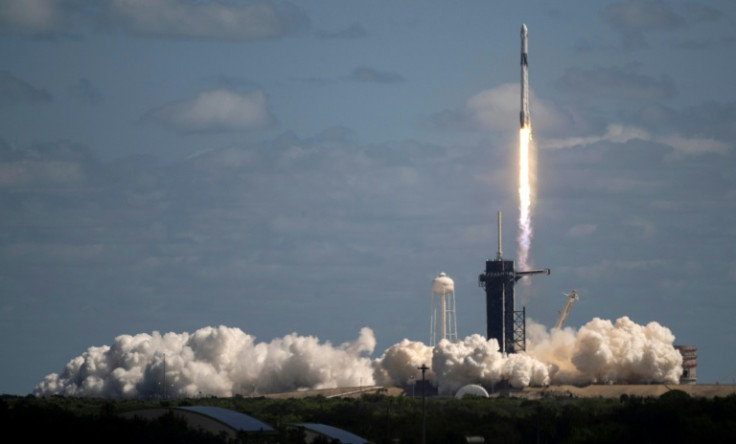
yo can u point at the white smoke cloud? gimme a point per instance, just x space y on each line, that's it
608 352
218 361
401 361
216 110
682 146
477 360
226 361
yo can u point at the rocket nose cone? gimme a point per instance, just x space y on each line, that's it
523 28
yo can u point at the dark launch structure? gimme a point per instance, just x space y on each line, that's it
503 322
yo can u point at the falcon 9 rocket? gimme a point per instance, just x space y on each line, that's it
524 114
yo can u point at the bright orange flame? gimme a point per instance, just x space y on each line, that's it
525 197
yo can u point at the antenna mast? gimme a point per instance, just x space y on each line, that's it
499 255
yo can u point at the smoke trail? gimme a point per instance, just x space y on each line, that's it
225 361
525 197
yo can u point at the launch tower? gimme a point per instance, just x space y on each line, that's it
503 322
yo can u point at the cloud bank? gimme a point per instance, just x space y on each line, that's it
210 19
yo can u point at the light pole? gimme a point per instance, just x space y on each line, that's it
424 368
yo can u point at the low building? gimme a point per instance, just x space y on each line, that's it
216 420
314 431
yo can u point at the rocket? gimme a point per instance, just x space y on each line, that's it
524 116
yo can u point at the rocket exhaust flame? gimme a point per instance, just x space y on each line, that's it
525 197
525 137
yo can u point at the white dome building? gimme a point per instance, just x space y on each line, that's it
471 389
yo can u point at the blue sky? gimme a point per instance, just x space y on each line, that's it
311 166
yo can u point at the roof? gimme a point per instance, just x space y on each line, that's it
471 389
343 436
231 418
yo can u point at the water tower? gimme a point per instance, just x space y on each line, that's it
444 320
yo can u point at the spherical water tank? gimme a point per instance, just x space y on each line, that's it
443 284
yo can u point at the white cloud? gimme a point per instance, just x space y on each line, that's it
492 108
216 110
681 145
497 109
642 15
25 172
582 230
646 228
31 15
212 19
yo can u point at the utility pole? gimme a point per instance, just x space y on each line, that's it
424 368
165 394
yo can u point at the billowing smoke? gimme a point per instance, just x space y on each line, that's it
399 363
226 361
477 360
217 361
608 352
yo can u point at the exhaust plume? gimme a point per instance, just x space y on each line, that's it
525 197
222 361
218 361
609 352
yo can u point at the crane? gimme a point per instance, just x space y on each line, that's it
571 297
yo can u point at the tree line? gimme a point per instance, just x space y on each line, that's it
672 417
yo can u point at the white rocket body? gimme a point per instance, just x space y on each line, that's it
524 116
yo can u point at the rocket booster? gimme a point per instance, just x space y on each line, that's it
524 116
